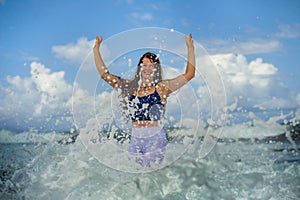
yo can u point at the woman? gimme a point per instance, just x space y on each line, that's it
145 98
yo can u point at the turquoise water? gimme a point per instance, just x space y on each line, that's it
38 166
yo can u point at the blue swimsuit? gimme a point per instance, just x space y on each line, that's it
148 107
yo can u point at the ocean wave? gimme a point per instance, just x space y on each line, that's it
239 170
261 131
7 137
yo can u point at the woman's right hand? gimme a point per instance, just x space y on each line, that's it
98 42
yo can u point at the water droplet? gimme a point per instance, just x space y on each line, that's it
129 62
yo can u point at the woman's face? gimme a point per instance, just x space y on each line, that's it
147 70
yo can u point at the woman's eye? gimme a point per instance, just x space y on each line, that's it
147 65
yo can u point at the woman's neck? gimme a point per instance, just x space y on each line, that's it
147 82
145 89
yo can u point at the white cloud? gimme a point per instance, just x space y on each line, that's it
258 46
288 31
42 97
81 53
51 86
74 52
252 83
46 101
254 46
257 67
275 103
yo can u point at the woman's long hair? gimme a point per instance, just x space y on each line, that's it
128 88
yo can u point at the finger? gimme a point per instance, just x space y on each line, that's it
191 36
187 38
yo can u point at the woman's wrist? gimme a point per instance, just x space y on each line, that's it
96 48
191 50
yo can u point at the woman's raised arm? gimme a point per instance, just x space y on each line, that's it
174 84
111 79
191 64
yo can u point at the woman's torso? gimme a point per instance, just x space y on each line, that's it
147 107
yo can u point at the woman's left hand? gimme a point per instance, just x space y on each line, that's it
189 42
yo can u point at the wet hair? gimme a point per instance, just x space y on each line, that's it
128 88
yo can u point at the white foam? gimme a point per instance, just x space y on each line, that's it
258 131
29 137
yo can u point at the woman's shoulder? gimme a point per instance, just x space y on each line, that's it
163 89
164 84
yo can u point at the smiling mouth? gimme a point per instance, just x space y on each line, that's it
148 73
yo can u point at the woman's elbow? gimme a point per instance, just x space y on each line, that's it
189 76
192 76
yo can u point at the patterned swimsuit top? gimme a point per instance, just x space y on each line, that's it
148 107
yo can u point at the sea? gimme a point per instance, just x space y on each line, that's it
58 166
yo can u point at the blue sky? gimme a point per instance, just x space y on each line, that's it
248 39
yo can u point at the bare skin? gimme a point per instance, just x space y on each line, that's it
164 88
